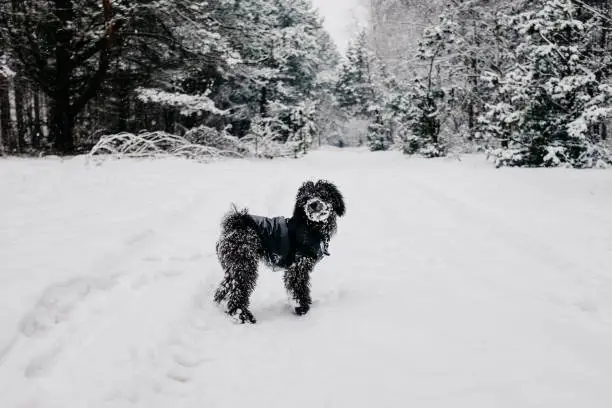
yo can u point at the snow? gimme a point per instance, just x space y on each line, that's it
450 284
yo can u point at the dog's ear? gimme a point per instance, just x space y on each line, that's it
334 194
306 190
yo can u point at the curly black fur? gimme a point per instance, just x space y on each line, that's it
246 240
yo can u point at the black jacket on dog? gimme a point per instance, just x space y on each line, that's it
282 239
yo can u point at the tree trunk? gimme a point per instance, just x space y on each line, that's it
29 116
61 121
603 129
474 74
263 102
125 111
20 108
62 126
471 119
6 130
169 120
37 131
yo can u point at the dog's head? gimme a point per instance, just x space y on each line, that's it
319 201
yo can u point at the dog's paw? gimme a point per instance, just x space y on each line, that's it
302 310
243 316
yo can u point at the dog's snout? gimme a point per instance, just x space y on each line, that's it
317 210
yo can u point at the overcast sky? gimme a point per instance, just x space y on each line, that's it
341 18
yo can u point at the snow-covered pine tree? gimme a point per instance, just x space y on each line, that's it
427 96
305 53
329 118
220 64
283 49
303 127
553 99
71 48
355 89
392 120
472 50
363 91
184 90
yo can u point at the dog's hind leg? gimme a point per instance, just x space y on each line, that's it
297 283
238 253
222 290
239 288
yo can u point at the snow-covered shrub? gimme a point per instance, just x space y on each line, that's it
555 156
415 145
411 145
594 156
585 156
510 157
302 120
420 130
264 139
154 145
431 150
378 137
206 136
268 147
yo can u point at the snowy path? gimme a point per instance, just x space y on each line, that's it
451 284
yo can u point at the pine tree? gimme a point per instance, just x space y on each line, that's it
392 112
301 53
69 48
172 65
187 87
355 89
427 96
328 116
472 50
303 126
57 49
366 90
552 101
283 49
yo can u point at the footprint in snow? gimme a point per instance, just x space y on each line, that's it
41 363
57 302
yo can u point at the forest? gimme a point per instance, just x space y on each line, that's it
527 82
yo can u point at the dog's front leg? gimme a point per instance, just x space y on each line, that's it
297 282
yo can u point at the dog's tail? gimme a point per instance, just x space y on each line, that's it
237 219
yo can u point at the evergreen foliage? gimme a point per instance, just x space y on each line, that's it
170 65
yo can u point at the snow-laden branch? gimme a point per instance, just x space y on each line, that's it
5 71
188 104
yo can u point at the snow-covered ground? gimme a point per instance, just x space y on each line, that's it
451 284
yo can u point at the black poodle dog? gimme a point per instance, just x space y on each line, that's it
294 244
